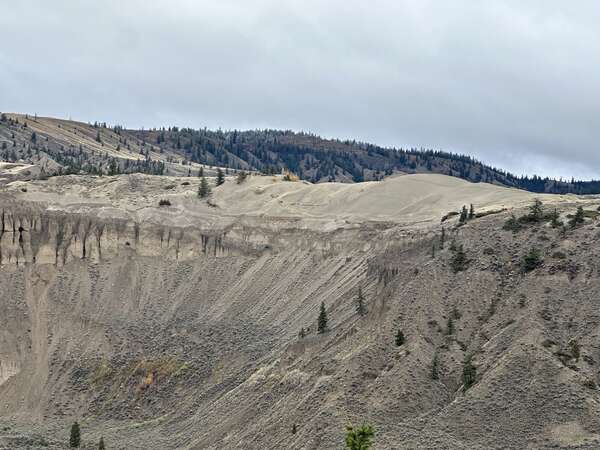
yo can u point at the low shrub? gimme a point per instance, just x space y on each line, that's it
532 260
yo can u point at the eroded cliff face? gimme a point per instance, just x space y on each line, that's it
30 234
124 315
178 326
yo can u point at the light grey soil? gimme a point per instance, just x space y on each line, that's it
176 327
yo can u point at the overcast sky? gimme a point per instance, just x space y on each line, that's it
514 83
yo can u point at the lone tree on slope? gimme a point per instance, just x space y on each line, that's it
360 303
241 177
399 338
359 439
435 367
469 374
101 444
220 177
464 215
536 211
204 189
322 321
75 439
578 218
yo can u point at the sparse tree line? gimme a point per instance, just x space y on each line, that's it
355 439
309 156
537 214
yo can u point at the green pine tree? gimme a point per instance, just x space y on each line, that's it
101 444
450 326
471 212
555 221
536 211
578 218
512 224
469 374
322 321
464 215
204 189
459 260
399 338
532 260
75 439
435 367
360 303
241 177
359 439
294 429
220 177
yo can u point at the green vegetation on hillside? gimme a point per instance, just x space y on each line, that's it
93 148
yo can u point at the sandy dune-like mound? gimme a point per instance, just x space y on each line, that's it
420 199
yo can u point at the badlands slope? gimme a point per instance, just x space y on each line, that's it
176 327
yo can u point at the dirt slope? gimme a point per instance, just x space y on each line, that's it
177 326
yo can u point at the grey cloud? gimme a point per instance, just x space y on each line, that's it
512 82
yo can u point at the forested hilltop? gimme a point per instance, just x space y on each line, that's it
63 146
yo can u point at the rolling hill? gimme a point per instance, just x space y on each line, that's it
64 147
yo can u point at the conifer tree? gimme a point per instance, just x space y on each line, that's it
435 369
512 224
201 172
360 303
101 444
450 326
241 177
204 189
359 439
322 321
536 211
399 338
471 212
469 374
459 260
554 219
294 430
532 260
302 333
443 238
464 215
578 218
75 438
220 177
